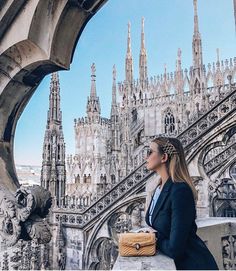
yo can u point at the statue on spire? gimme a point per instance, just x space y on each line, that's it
179 60
142 36
93 69
93 104
129 59
197 41
129 39
218 54
142 57
114 72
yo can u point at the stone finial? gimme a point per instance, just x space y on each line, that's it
129 39
196 27
114 72
142 36
218 55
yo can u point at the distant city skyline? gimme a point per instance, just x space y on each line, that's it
168 26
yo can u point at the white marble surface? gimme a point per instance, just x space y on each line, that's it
156 262
210 221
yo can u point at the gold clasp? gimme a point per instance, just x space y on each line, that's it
137 246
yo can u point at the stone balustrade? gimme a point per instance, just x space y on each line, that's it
219 235
156 262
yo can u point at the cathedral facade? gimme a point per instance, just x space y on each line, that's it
107 149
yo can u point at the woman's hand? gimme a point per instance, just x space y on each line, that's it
147 229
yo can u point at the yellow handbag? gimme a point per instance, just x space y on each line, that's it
137 244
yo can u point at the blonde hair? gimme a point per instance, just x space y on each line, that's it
176 164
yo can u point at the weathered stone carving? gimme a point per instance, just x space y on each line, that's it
23 214
222 197
25 59
228 252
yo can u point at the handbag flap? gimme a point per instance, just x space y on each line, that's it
142 238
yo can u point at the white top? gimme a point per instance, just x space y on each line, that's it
153 202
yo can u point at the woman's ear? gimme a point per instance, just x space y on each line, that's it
164 158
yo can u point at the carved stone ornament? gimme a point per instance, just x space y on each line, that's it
22 214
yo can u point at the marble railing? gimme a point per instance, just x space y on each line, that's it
126 186
216 115
218 233
156 262
220 159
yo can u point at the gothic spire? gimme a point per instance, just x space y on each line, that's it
93 81
196 26
93 104
53 174
179 61
129 53
197 42
179 77
143 37
129 59
165 83
54 112
142 56
114 104
114 115
218 58
218 54
114 86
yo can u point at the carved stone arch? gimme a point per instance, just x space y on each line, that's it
47 13
135 210
226 166
99 246
206 140
45 44
104 219
103 250
96 245
27 58
213 147
226 137
197 86
229 134
114 219
232 171
94 266
204 153
111 222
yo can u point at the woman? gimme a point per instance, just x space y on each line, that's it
172 213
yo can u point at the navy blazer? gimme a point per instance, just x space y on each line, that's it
173 218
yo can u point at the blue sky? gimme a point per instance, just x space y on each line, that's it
168 26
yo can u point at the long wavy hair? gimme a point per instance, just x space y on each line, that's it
176 164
